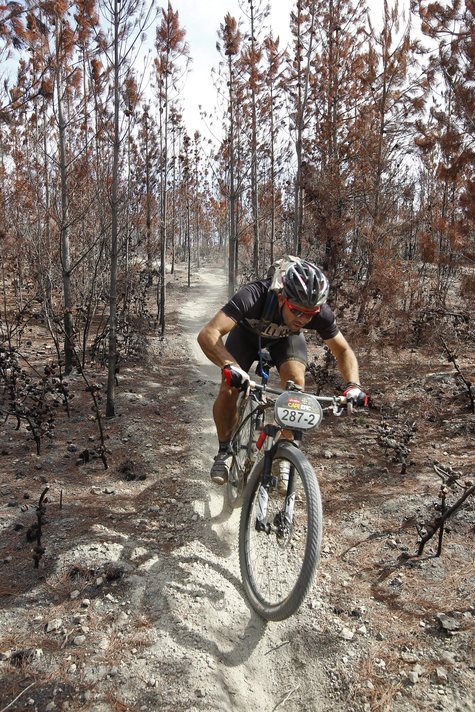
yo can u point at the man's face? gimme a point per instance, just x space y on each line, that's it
293 317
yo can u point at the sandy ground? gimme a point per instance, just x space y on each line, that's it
138 603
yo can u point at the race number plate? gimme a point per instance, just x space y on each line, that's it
298 411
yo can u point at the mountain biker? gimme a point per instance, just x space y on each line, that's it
271 313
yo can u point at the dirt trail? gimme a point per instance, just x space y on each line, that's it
326 656
138 602
138 605
236 652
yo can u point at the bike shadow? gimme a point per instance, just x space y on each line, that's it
194 592
225 633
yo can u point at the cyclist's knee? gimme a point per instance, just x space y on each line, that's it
292 371
228 393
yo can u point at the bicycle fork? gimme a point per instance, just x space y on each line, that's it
285 518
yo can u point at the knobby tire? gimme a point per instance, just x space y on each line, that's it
277 573
243 447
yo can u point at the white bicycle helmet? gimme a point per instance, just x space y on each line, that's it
305 285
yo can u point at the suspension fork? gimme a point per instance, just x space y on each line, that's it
268 480
288 513
266 438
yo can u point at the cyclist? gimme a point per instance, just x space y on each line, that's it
271 313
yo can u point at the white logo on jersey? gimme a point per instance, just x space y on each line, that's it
268 329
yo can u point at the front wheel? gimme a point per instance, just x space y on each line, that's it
243 447
278 557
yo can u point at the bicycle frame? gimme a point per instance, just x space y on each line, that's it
280 528
269 437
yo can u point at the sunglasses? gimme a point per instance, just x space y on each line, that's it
301 311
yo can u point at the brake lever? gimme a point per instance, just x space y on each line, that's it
339 406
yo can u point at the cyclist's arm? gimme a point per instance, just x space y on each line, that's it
210 339
345 358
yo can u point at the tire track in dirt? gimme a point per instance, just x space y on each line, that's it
239 673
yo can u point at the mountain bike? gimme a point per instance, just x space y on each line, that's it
280 529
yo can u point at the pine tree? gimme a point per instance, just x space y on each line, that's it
446 137
231 39
171 49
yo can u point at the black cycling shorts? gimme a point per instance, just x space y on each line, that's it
244 346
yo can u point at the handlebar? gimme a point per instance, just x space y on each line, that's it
265 363
335 403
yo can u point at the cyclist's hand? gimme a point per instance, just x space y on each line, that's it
355 395
235 376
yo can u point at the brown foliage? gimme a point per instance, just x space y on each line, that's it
427 246
169 33
131 93
467 287
231 36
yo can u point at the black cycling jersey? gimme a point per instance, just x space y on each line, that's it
256 308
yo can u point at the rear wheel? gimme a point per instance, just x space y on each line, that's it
278 563
243 447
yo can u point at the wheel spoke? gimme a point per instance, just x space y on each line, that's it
279 558
241 457
276 559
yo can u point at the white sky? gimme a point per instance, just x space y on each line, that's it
201 19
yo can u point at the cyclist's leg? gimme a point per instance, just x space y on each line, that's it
243 346
292 370
225 411
290 357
